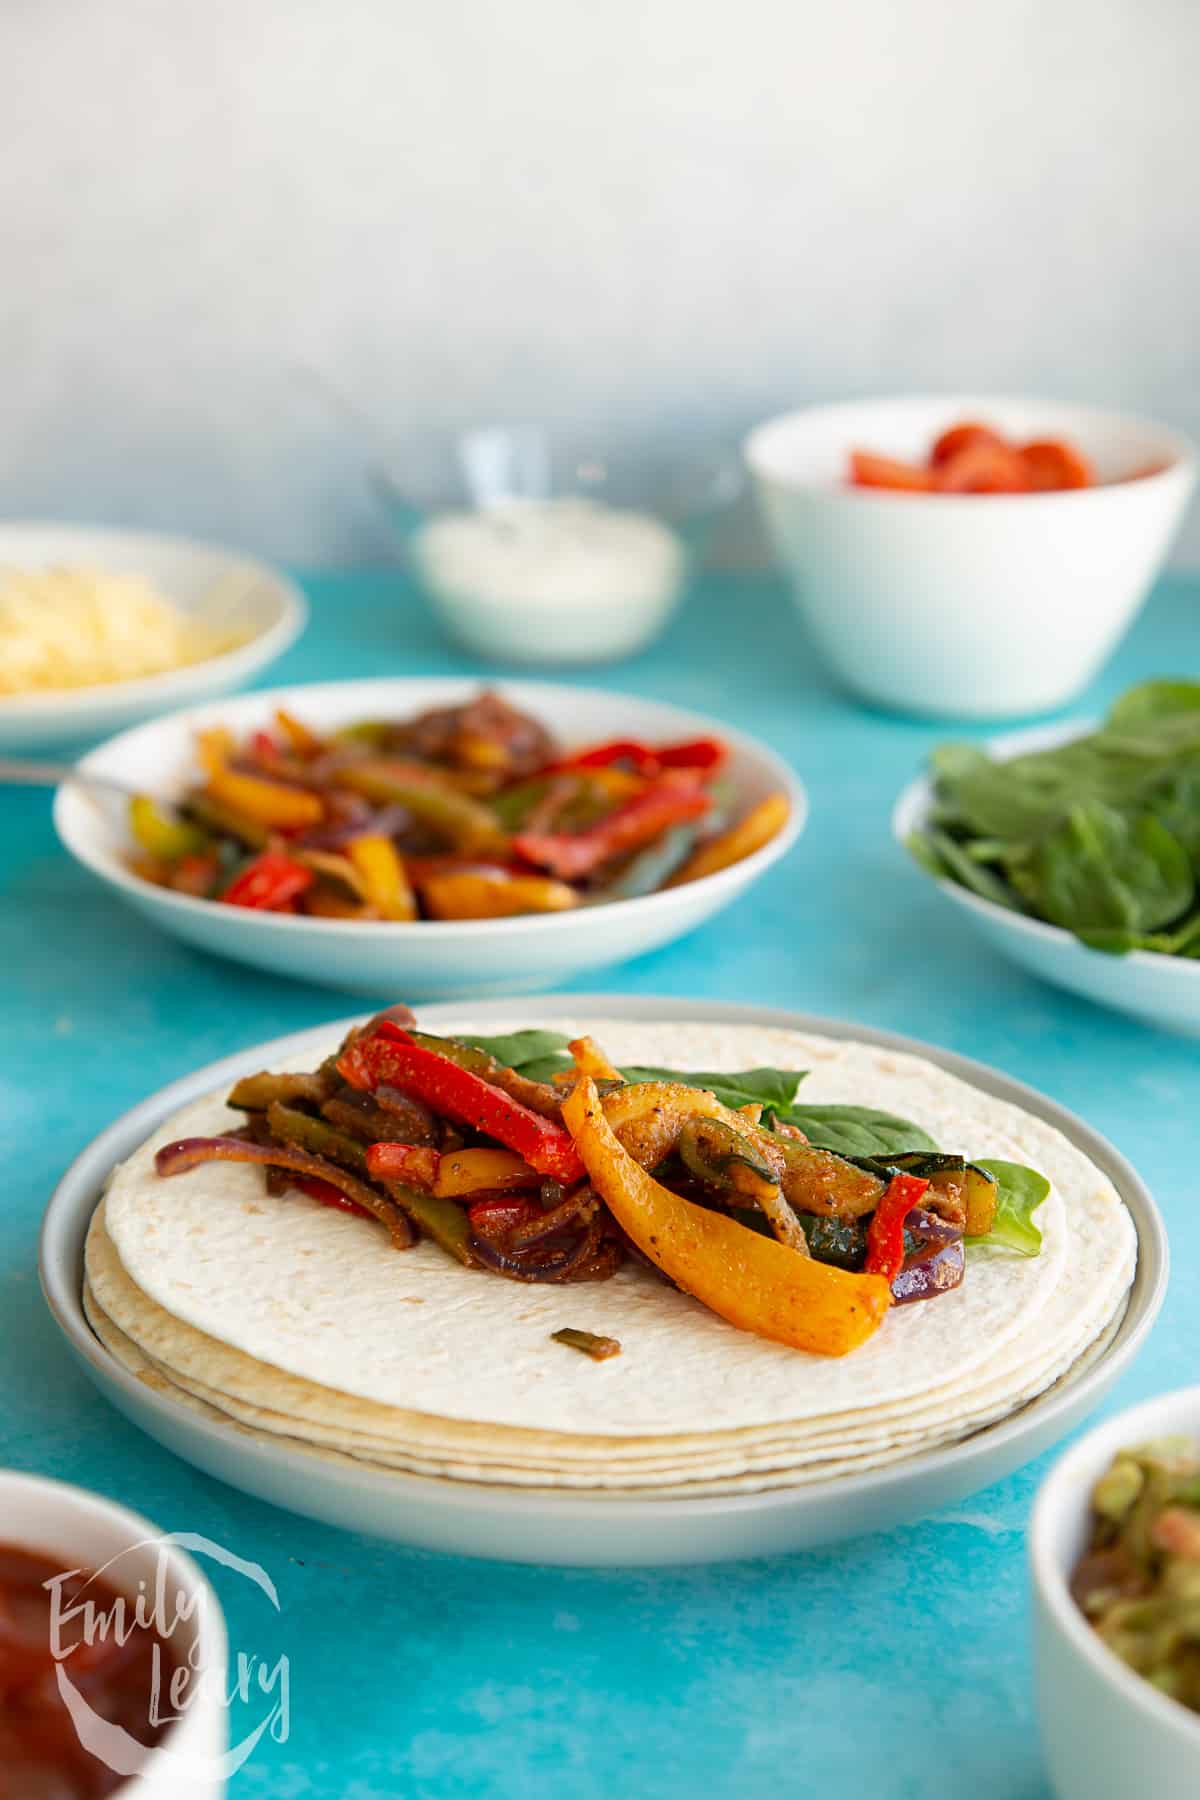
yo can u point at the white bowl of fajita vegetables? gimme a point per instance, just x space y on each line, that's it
427 837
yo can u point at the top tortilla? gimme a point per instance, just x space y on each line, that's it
322 1297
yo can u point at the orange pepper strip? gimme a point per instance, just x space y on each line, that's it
590 1059
760 825
470 1171
267 802
754 1282
303 741
474 894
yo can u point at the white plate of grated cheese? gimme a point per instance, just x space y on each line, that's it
99 629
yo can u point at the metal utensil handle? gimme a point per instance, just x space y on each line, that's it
17 772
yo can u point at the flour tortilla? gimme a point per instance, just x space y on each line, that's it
342 1421
302 1318
127 1354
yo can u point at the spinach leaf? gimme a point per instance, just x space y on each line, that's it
525 1051
856 1130
950 858
773 1088
1103 869
1155 700
1020 1191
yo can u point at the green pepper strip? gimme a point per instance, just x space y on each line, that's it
442 1220
513 805
254 1093
653 867
227 822
465 823
598 1348
316 1136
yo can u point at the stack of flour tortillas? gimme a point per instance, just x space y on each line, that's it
294 1321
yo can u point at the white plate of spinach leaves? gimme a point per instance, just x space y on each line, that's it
1076 848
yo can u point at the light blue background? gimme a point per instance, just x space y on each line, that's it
896 1667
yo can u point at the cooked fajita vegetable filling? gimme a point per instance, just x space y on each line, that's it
1138 1581
538 1159
465 812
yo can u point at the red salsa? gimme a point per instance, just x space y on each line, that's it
41 1757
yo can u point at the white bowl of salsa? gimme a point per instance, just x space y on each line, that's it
78 1712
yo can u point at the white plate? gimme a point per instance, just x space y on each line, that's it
548 1526
429 959
185 572
1163 989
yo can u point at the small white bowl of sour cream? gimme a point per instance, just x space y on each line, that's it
533 548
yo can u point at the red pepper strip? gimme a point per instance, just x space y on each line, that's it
706 754
414 1163
603 756
693 753
326 1193
497 1217
570 856
391 1057
269 884
263 747
885 1233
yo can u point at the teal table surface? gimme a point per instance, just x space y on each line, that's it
895 1667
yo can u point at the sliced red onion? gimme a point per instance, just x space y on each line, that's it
933 1229
387 821
555 1218
188 1153
546 1268
926 1280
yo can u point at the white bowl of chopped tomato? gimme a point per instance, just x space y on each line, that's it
113 1652
421 837
969 556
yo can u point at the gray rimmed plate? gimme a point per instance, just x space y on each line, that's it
552 1526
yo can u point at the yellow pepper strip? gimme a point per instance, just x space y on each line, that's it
214 746
269 802
385 882
476 894
469 1171
590 1059
159 834
754 1282
758 827
303 741
618 784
